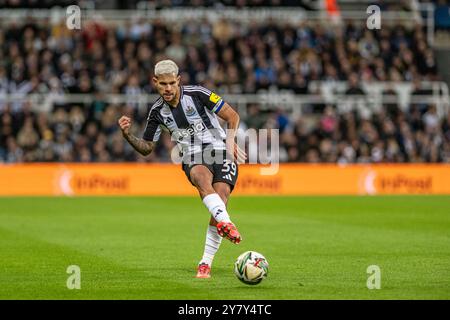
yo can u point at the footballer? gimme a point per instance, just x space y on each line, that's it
209 155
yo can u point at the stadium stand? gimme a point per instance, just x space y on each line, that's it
233 59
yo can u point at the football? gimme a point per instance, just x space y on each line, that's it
251 267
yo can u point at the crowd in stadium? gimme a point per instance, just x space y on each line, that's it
157 4
73 135
225 57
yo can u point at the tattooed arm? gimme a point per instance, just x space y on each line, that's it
142 146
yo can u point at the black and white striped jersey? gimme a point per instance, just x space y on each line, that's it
193 124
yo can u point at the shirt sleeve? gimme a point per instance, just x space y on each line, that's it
211 100
152 130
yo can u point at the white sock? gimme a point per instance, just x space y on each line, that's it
212 244
216 207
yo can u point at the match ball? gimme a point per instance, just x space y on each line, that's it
251 267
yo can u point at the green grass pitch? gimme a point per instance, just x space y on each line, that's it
148 247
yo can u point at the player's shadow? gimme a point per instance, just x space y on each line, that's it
246 287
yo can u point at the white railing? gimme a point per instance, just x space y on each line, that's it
376 96
295 104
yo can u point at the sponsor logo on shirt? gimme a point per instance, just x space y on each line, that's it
168 121
191 130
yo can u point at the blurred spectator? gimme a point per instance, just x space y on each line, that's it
353 86
442 15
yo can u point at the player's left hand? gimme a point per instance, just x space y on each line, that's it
239 155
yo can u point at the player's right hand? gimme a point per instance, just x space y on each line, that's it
125 124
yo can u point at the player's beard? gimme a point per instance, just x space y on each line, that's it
170 98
